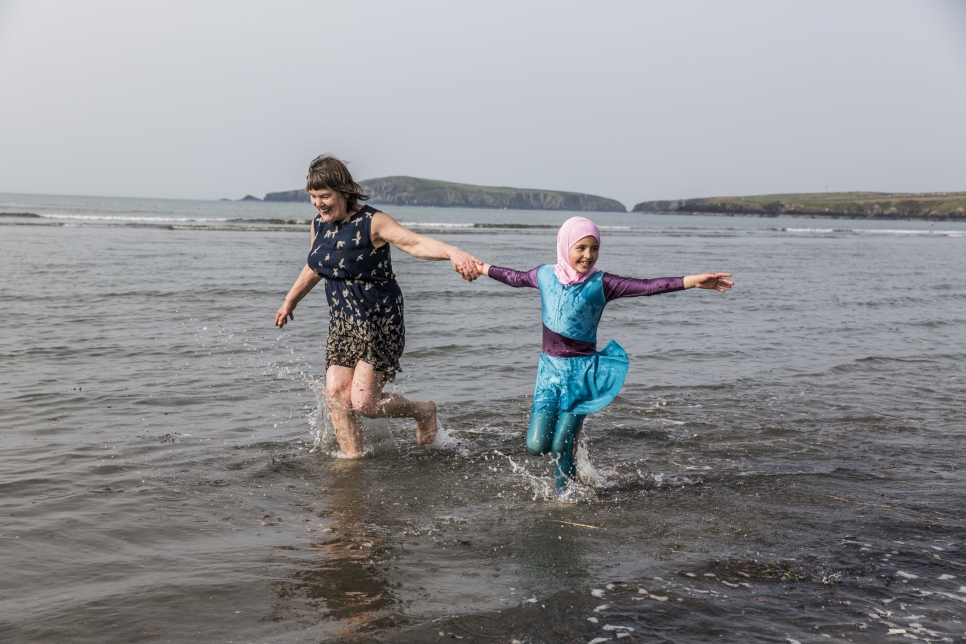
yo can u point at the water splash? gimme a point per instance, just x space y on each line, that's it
541 486
588 473
662 480
445 441
320 420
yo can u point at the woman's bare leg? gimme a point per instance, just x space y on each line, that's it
369 400
338 393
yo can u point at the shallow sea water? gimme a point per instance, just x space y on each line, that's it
784 463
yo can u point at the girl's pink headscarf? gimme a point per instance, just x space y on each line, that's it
572 231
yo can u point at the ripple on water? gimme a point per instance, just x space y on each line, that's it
105 489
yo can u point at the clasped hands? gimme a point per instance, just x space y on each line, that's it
466 265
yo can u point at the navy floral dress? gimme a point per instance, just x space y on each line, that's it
365 302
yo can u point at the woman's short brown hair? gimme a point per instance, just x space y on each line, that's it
326 172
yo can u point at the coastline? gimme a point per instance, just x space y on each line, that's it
875 206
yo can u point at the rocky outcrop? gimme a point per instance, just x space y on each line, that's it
249 198
864 205
289 195
412 191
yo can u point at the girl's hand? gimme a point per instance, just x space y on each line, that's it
711 281
483 268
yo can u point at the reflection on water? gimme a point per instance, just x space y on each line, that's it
340 581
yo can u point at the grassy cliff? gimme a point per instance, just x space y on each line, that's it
933 206
411 191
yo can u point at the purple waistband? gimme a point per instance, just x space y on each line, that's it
560 346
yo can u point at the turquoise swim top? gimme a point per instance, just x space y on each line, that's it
574 310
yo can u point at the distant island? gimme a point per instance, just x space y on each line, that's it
411 191
931 206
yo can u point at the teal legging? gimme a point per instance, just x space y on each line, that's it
555 434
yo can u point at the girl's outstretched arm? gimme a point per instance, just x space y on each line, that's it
712 281
616 287
509 276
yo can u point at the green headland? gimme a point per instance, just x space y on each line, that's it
411 191
930 206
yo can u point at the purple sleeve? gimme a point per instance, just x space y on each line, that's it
514 278
616 287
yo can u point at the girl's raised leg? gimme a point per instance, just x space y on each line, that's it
543 424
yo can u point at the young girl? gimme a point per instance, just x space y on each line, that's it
573 378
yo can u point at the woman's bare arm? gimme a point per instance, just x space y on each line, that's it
306 280
385 230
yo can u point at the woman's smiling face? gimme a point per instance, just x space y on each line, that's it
330 204
583 254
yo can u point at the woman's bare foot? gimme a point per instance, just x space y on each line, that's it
426 427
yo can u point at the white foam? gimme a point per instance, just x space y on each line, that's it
446 441
133 218
895 232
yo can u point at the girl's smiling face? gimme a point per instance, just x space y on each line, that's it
583 255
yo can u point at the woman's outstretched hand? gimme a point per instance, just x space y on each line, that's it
285 313
465 264
711 281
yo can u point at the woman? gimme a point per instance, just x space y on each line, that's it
350 249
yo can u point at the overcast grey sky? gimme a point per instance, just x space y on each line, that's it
630 100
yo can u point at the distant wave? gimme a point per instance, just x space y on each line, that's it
238 228
32 223
421 224
448 224
874 231
940 233
129 218
155 221
276 222
271 224
228 223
